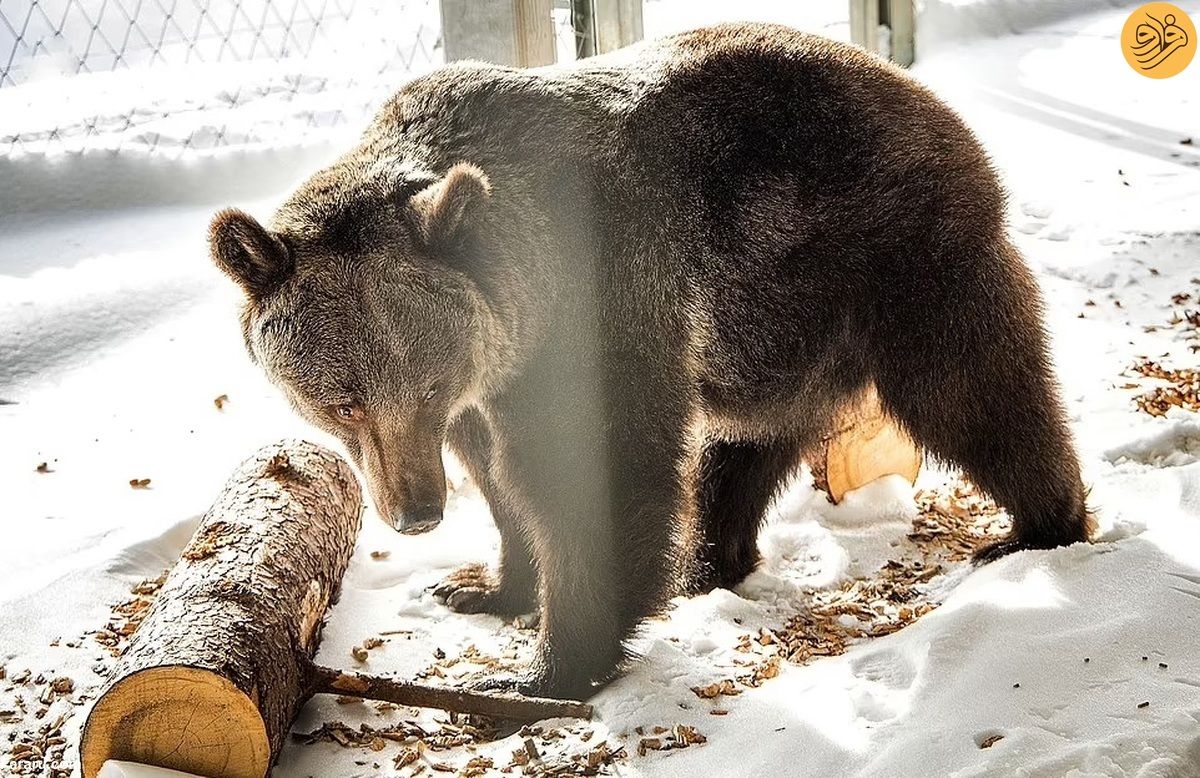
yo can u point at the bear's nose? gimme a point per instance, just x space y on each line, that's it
416 520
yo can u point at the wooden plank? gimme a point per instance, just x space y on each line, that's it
864 24
902 21
617 23
535 32
504 32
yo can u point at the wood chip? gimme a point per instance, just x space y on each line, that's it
1181 389
724 687
669 738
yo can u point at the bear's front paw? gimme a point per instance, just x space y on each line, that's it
999 549
474 589
545 677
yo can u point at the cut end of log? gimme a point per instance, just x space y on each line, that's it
179 717
867 445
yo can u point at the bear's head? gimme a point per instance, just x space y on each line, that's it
355 308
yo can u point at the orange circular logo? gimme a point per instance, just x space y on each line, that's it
1159 40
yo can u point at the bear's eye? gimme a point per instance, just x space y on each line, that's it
433 390
347 412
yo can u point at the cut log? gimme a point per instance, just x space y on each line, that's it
213 676
866 444
222 661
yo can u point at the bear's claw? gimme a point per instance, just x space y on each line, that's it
475 589
1011 544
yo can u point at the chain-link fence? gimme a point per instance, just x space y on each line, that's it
171 77
177 78
178 75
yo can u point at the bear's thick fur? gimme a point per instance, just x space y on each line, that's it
629 292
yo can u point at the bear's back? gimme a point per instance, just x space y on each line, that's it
727 100
767 136
743 139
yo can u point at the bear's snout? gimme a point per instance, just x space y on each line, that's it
416 521
404 473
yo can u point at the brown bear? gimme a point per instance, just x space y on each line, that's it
629 292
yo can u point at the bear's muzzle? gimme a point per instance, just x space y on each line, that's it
416 521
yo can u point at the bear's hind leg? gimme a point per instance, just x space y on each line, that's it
972 383
737 483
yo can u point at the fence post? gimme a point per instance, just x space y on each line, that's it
618 23
605 25
864 24
506 32
897 15
901 19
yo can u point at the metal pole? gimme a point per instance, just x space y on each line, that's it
605 25
583 21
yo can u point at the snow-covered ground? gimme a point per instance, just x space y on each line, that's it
116 336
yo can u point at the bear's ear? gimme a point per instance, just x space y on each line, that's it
440 210
248 253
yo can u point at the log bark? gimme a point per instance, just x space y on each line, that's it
213 676
866 444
